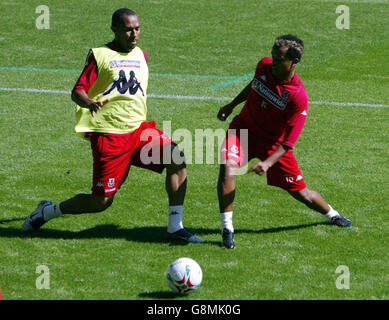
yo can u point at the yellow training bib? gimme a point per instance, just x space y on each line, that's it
122 78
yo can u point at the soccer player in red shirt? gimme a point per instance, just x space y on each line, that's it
111 113
274 113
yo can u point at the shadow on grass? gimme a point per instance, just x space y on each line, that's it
285 228
12 220
152 234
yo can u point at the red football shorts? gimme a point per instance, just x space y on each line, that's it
241 146
114 154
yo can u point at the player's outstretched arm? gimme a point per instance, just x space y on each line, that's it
227 109
81 98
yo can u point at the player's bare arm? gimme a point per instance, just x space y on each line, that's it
81 98
262 167
227 109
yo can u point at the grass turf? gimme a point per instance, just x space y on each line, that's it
284 250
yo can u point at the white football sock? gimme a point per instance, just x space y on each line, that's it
175 218
51 211
332 213
226 219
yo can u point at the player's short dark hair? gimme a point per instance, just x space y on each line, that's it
295 45
117 16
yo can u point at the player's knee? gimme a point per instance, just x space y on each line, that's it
231 167
102 203
177 157
305 195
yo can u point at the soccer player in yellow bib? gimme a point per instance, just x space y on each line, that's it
111 112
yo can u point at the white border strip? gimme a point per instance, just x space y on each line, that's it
178 97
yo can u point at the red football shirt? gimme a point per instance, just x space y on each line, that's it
90 72
275 111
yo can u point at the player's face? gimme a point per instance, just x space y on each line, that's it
281 65
127 34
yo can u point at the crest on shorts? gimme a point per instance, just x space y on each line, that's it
235 149
111 182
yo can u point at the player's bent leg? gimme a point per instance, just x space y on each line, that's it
176 176
313 200
226 196
81 203
175 183
86 203
226 185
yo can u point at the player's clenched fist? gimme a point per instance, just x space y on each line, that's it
96 106
259 168
225 111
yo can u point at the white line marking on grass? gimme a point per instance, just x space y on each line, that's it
154 74
349 104
178 97
35 90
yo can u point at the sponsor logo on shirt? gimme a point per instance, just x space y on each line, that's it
124 64
267 93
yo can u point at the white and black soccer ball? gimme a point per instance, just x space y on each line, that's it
184 275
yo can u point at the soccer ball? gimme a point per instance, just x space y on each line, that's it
184 275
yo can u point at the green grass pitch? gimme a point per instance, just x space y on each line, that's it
203 49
